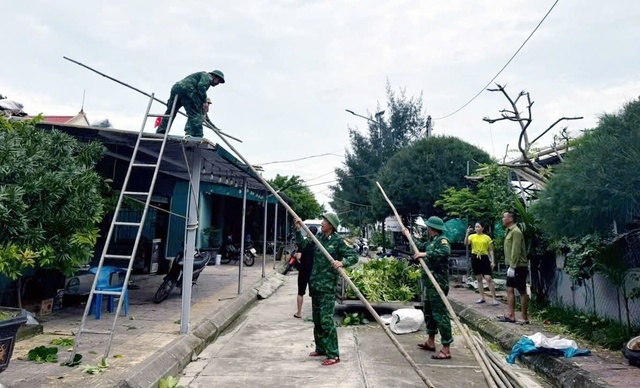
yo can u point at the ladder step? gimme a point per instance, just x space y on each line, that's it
124 257
136 193
107 332
143 165
152 138
111 293
121 223
157 115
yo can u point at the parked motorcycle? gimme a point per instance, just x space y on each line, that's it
231 252
174 277
364 247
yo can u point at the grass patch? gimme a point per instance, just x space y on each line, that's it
569 321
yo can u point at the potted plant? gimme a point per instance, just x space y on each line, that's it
10 321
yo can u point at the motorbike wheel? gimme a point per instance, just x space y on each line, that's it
163 292
249 259
225 259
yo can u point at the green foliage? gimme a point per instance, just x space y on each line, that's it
169 382
62 341
354 319
386 280
401 125
486 202
598 181
43 354
50 199
581 255
416 176
95 369
303 201
568 321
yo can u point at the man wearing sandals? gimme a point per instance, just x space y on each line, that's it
435 251
515 257
323 282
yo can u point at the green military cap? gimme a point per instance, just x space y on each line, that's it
436 223
218 74
333 219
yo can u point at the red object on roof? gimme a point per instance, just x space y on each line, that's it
57 119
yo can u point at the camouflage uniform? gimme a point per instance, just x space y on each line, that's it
192 94
436 316
322 288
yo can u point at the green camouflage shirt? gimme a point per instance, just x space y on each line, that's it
324 278
438 251
196 85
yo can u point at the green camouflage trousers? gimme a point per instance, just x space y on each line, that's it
436 316
323 306
193 107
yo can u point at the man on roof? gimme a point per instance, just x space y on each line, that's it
192 95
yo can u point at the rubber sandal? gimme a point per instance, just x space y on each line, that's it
427 347
524 322
315 354
297 316
480 301
441 356
330 361
495 304
504 318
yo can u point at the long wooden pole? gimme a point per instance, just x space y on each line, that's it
218 132
328 257
452 313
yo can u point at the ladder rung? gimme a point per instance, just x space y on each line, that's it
143 165
152 138
157 115
108 256
121 223
136 193
107 332
111 293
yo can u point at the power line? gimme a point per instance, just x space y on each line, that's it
304 158
503 67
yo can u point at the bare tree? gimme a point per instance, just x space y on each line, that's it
528 169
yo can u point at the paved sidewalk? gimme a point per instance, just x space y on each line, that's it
268 347
604 368
143 336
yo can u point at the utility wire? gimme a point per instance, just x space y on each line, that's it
305 158
503 67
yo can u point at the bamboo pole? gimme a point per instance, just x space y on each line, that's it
497 368
340 270
326 254
452 313
218 132
502 383
515 380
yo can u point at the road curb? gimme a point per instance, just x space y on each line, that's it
560 371
175 356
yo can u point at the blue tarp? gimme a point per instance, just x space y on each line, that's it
526 346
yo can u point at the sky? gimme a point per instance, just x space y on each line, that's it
293 67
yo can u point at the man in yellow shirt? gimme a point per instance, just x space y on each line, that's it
515 257
482 260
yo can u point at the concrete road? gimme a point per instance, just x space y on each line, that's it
268 347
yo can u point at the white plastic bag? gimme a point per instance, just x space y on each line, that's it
406 321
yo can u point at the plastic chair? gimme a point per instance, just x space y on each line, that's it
104 284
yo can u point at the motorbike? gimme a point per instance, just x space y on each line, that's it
174 277
364 247
231 252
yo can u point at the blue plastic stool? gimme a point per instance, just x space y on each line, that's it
104 284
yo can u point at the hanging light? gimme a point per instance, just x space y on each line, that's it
219 179
211 176
204 170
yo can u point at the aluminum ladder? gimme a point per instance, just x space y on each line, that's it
138 225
